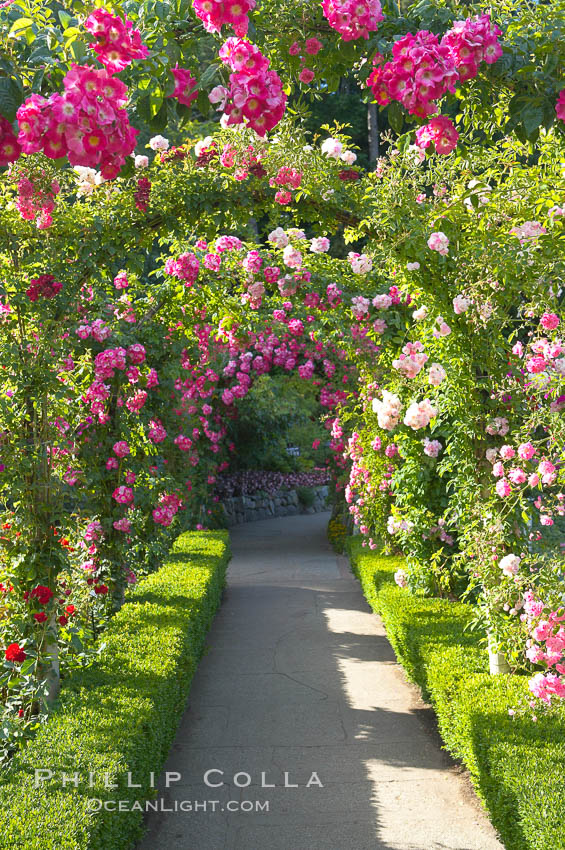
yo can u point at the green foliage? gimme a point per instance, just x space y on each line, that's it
346 108
516 765
120 715
306 496
279 411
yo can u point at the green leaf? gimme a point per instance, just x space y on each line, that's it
37 81
41 56
20 25
203 103
531 117
208 76
65 18
78 49
10 98
155 100
396 117
158 122
520 132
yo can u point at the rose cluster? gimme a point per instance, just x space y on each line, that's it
116 43
412 360
420 73
36 199
538 474
167 509
423 69
546 645
360 263
471 42
44 286
215 13
288 179
388 410
88 122
419 414
185 267
441 132
439 242
256 94
141 195
353 19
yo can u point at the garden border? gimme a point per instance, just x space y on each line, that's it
121 714
516 764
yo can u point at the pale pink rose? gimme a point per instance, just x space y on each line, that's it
439 242
436 374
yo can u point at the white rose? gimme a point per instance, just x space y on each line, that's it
159 143
332 147
510 564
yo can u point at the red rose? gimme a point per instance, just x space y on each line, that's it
15 653
349 174
101 588
41 617
21 712
70 609
62 620
42 594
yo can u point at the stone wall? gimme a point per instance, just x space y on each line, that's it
240 509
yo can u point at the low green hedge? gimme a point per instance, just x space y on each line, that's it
517 765
121 714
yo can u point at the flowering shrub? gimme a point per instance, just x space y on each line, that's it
482 490
172 278
249 482
471 42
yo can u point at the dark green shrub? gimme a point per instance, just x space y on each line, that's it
306 496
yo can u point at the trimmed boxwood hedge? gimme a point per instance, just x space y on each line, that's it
121 714
517 765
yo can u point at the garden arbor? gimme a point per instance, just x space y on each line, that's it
147 285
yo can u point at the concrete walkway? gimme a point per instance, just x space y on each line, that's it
300 679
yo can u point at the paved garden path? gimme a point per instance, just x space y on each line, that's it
300 678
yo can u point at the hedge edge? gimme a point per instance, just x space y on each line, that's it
121 714
516 765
